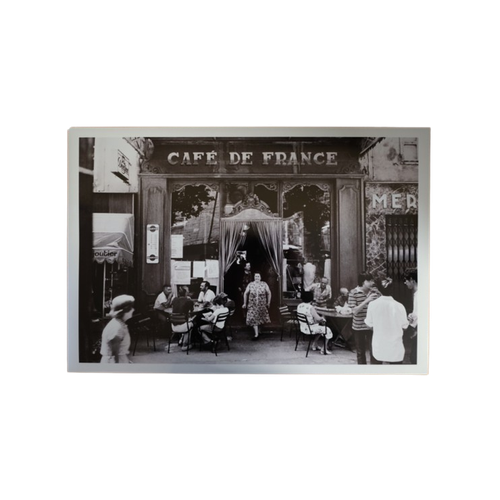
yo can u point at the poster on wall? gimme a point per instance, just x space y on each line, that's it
181 272
198 269
176 245
291 250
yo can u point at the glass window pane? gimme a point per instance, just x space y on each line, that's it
195 234
306 237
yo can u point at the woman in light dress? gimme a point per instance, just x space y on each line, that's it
256 300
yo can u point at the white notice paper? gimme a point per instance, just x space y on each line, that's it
199 269
212 268
177 246
181 272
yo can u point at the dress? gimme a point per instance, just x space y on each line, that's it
305 308
257 313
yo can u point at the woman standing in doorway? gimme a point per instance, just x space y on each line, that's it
256 300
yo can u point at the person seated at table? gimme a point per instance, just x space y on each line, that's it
229 303
183 305
316 322
322 292
164 299
162 303
206 296
342 299
211 319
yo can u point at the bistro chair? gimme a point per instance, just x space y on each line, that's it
229 322
302 319
141 326
219 333
177 319
288 320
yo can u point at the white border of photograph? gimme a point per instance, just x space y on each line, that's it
184 131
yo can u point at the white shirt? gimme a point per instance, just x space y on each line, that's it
309 275
161 299
414 321
115 329
207 296
216 314
388 318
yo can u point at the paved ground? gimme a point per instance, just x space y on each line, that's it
267 350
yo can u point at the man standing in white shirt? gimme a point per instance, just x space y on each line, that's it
388 319
309 275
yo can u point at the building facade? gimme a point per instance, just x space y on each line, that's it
298 209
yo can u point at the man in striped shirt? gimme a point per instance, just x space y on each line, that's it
359 298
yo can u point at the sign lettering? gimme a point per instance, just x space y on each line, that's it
246 158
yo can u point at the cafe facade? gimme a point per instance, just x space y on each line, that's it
296 208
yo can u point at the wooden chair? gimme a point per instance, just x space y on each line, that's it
177 319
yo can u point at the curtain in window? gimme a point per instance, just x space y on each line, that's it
232 236
269 232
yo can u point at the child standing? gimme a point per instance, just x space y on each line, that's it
115 342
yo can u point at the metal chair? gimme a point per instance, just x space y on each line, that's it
302 319
229 322
219 332
178 319
287 319
141 326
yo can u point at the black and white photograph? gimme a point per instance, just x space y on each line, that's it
250 250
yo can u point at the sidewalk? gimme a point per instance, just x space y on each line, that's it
267 350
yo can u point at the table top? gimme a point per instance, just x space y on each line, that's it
325 311
196 310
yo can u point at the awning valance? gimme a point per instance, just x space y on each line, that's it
113 238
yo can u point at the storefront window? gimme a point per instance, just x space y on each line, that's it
268 194
306 236
195 234
235 193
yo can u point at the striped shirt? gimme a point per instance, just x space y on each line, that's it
356 297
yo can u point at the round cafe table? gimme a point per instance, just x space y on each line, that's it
342 322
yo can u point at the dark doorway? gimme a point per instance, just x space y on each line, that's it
256 256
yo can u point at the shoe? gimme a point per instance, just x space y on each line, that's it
185 347
322 351
255 338
314 348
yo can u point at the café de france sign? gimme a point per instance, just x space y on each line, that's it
246 158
